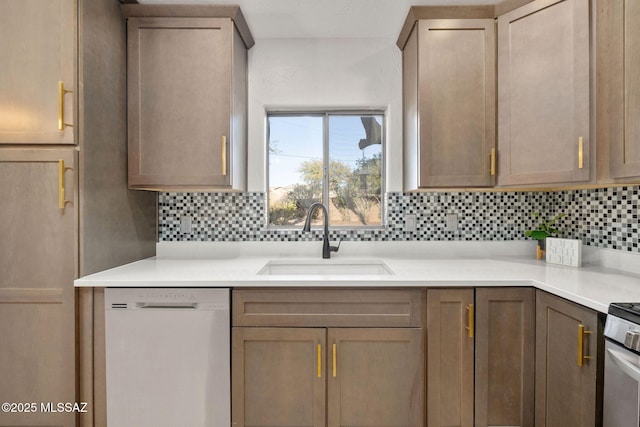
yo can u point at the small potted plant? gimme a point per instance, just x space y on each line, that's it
544 230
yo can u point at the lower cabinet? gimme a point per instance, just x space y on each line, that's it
480 353
279 377
328 376
450 363
505 356
37 267
493 357
569 363
376 377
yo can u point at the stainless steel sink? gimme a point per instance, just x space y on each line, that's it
323 267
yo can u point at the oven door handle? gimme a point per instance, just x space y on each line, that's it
627 367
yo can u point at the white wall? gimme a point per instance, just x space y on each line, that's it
299 74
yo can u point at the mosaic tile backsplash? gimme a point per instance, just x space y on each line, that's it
605 217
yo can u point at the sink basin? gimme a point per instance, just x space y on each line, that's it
325 268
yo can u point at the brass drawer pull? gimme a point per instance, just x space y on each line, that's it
470 325
224 155
493 162
62 202
319 361
580 152
581 356
335 369
61 93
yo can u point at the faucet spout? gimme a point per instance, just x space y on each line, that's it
326 247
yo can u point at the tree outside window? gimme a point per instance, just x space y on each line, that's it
334 158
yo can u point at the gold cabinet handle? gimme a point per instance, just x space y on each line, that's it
319 361
581 356
580 153
335 369
493 162
61 93
62 202
470 321
224 155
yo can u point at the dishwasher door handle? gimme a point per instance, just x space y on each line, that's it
625 366
168 305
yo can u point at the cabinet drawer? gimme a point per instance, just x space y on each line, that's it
329 307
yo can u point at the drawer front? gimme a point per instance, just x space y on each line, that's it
329 307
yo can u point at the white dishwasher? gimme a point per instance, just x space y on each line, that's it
168 357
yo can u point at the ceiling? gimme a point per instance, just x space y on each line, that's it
269 19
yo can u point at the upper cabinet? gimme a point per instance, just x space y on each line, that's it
543 93
449 97
187 97
37 86
618 87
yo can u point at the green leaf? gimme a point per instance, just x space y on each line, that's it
555 218
538 234
545 228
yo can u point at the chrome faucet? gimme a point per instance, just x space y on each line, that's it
326 248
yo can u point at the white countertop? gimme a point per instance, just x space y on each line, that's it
606 276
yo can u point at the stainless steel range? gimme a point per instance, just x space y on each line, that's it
622 366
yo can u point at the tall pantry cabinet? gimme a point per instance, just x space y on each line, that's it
66 209
38 265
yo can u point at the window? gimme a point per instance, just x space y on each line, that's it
333 158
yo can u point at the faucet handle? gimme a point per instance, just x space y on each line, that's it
335 248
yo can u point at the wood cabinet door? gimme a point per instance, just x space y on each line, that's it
450 357
37 50
456 102
179 101
566 393
375 377
278 377
543 93
38 264
505 357
618 85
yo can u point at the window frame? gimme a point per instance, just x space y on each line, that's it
325 114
